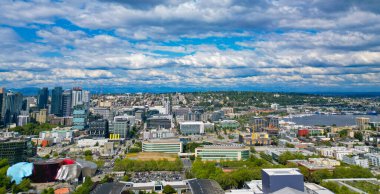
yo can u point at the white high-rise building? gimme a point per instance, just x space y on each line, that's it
77 97
86 97
80 97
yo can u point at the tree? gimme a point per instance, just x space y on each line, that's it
125 178
168 190
284 157
107 179
289 145
22 187
48 191
88 153
86 187
319 175
358 135
343 133
253 150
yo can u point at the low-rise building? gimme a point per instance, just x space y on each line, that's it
16 150
91 142
222 152
373 159
158 134
230 124
192 127
160 122
165 146
59 135
98 128
356 160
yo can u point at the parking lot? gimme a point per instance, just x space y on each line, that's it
142 177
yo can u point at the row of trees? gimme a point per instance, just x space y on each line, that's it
33 128
284 157
242 171
129 165
250 169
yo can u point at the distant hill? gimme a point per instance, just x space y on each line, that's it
32 91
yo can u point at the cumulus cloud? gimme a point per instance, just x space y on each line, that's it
276 44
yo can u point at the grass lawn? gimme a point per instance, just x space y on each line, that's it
145 156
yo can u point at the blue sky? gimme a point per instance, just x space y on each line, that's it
271 45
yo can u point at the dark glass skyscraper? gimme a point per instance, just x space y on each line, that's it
12 105
2 91
66 103
43 96
56 101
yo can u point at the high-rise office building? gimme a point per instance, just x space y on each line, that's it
167 105
43 96
12 105
80 97
56 101
66 103
121 126
1 103
86 98
80 117
99 128
77 97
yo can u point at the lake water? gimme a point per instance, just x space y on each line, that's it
339 120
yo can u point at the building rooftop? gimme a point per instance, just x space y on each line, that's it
165 140
226 146
205 186
191 123
282 171
108 188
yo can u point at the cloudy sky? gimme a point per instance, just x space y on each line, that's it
271 45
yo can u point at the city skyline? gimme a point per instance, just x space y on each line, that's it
169 45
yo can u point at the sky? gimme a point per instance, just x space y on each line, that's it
265 45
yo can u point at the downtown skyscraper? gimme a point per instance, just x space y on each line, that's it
56 101
66 103
11 107
43 96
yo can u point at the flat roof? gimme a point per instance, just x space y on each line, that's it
169 140
282 171
191 123
227 146
108 188
205 186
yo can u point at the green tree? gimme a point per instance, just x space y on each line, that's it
86 187
284 157
48 191
88 153
319 175
168 190
107 179
358 135
22 187
125 178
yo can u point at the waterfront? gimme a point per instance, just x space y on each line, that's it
338 120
